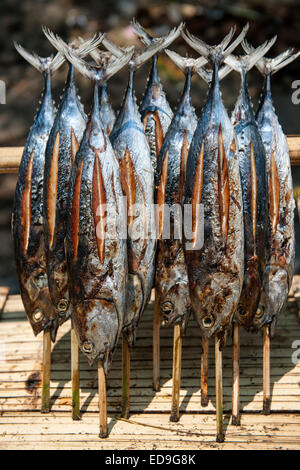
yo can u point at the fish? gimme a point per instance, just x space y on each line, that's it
96 232
155 110
252 160
62 145
278 273
27 214
213 238
137 178
172 287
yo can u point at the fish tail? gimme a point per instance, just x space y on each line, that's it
149 40
186 62
253 57
42 64
82 49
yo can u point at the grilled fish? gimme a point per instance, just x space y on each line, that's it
132 150
27 217
252 161
63 143
215 260
280 264
96 234
155 110
171 283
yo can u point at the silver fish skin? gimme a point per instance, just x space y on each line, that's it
63 143
107 114
172 287
137 180
215 270
156 113
252 160
96 234
97 264
27 219
280 264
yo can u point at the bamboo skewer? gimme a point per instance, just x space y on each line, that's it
204 372
236 375
75 372
156 346
219 391
46 373
266 371
103 431
125 378
177 349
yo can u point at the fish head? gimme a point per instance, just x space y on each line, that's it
273 297
97 322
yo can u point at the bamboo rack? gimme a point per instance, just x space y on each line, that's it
10 157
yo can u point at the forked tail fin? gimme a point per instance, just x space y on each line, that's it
245 63
42 64
149 40
137 59
267 65
186 62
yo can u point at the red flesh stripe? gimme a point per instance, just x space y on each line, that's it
223 186
197 192
74 145
99 211
159 135
183 160
52 189
274 191
128 184
26 204
76 209
161 194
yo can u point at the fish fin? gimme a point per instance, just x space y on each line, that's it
40 63
149 52
97 72
206 74
149 40
265 64
248 61
237 41
186 62
114 49
279 65
84 47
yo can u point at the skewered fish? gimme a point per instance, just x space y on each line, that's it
155 110
96 244
63 143
171 275
27 217
214 264
132 150
280 264
252 162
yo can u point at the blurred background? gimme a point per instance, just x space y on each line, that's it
210 20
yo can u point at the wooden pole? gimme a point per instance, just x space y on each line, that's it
46 373
266 371
103 432
236 375
219 391
204 372
156 346
75 372
177 349
125 377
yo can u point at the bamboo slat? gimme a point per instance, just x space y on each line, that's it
10 157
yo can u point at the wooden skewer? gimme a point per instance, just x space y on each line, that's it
177 349
46 373
266 371
103 431
204 372
125 377
156 346
75 372
219 391
236 375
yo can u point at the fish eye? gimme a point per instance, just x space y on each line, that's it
37 316
208 321
87 347
62 306
259 313
167 308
